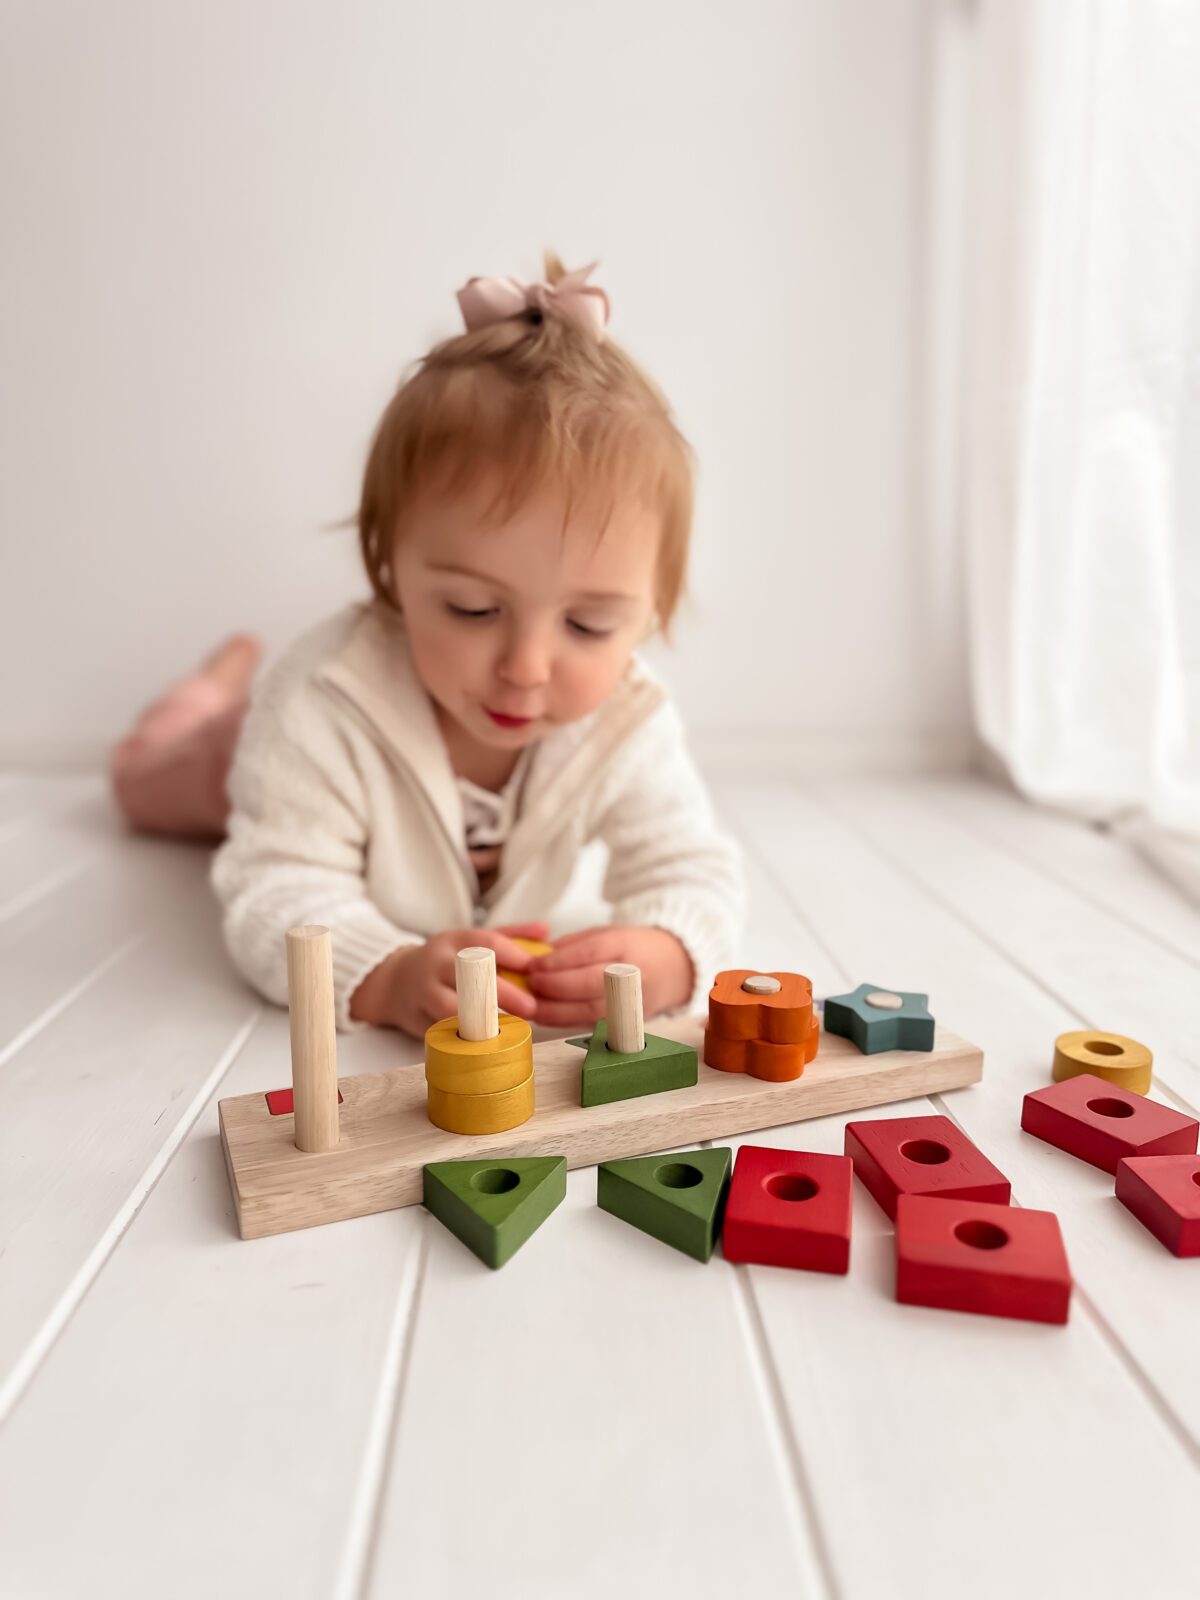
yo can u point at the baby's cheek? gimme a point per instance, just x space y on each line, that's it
589 680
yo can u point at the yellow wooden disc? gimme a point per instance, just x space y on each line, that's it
478 1066
535 948
481 1113
1110 1056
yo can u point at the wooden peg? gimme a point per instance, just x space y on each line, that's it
623 1008
475 981
314 1038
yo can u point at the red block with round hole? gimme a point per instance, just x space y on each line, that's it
960 1255
789 1208
1102 1123
1163 1192
921 1155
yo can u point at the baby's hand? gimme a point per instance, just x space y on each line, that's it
569 982
420 980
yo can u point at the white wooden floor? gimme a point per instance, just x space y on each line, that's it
364 1409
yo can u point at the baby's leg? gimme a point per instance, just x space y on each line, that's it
168 775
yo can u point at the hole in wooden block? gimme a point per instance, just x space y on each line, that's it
791 1186
1103 1047
282 1101
678 1175
1196 1178
926 1151
495 1180
981 1235
1110 1108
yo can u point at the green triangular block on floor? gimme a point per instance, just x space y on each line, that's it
614 1075
494 1205
680 1199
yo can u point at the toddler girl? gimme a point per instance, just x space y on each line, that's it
421 771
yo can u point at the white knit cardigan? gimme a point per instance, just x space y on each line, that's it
346 812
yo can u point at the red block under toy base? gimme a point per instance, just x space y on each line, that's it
789 1208
921 1155
1163 1192
958 1255
1103 1123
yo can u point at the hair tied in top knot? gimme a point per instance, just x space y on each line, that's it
487 300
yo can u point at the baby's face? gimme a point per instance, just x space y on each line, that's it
516 629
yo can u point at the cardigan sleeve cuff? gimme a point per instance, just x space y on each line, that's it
359 944
709 936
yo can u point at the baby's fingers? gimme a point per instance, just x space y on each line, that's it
508 953
579 983
518 1001
569 1013
595 947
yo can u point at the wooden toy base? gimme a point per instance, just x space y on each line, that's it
387 1138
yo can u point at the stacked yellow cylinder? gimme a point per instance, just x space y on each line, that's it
478 1064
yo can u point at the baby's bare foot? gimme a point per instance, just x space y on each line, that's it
222 681
169 774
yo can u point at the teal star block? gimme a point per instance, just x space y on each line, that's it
874 1028
613 1075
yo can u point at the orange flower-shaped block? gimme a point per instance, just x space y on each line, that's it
761 1023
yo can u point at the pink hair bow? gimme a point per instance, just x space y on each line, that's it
487 300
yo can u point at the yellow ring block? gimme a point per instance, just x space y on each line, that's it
1110 1056
481 1113
535 948
478 1066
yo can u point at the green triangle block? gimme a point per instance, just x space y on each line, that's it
680 1199
614 1075
494 1205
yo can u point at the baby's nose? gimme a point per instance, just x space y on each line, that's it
526 663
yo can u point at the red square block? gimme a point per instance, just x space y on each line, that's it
1163 1192
921 1155
1103 1123
280 1101
789 1208
1002 1261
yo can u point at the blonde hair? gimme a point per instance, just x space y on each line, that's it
535 398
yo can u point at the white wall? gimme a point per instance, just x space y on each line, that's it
226 228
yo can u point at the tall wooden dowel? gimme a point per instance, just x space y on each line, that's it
314 1038
623 1008
475 981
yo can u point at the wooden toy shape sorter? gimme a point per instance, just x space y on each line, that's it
789 1208
494 1206
675 1198
964 1255
761 1023
1111 1056
623 1060
479 1064
1102 1123
881 1019
1163 1192
379 1138
921 1155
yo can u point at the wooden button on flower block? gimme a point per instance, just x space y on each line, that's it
894 1156
1002 1261
479 1064
623 1060
762 1024
1110 1056
789 1208
1103 1123
878 1019
1163 1192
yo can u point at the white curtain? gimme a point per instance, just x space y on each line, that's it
1081 490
